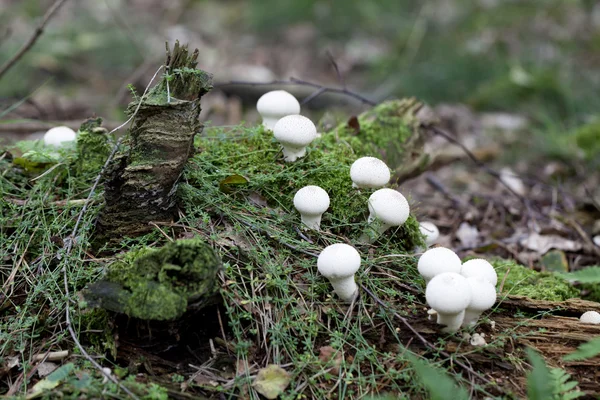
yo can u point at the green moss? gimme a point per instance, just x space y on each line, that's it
391 131
158 284
254 154
522 281
94 145
98 327
587 138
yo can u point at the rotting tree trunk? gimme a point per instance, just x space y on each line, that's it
142 179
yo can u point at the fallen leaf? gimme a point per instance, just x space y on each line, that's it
271 381
46 368
511 180
327 354
51 381
555 261
354 125
543 243
227 185
467 234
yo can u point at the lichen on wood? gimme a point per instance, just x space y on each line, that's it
142 178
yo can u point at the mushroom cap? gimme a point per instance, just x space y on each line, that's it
311 200
479 267
338 261
295 131
438 260
590 317
430 231
390 206
483 293
59 134
448 293
277 103
369 172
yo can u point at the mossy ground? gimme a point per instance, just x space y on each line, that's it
277 309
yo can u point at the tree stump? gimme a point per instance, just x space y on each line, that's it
142 178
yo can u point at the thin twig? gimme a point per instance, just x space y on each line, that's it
421 338
320 89
36 35
337 69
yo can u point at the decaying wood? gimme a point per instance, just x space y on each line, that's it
141 181
571 307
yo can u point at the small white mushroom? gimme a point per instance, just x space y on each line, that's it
311 202
590 317
430 231
479 267
338 263
436 261
58 135
478 340
449 294
387 208
369 172
483 297
274 105
294 132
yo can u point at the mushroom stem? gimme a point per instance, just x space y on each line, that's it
269 123
345 288
291 154
452 321
312 221
471 317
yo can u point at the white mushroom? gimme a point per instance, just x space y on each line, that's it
590 317
430 231
387 208
436 261
483 297
478 340
338 263
449 294
311 202
479 267
369 172
294 132
58 135
274 105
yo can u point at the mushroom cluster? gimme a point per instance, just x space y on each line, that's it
280 112
458 293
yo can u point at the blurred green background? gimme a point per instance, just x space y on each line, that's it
538 57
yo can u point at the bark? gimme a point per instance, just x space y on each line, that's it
142 179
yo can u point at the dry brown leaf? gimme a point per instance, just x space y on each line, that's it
327 354
543 243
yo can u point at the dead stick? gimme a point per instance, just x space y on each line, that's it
320 89
36 35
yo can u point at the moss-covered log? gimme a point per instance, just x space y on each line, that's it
396 131
159 284
141 180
